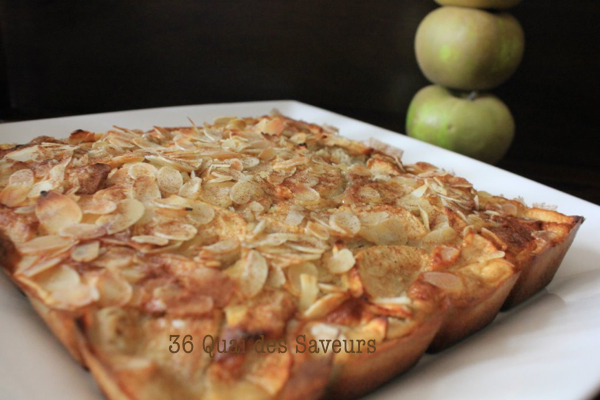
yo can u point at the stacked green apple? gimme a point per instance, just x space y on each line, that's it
465 48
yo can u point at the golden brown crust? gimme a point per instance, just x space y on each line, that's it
539 271
64 327
360 375
461 321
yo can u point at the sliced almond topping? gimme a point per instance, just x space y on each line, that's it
341 262
317 230
191 189
128 212
276 277
309 291
393 301
295 271
22 177
173 202
325 305
419 192
83 231
62 278
368 194
169 180
41 187
267 154
201 214
345 222
56 211
289 164
443 280
40 266
114 290
30 153
75 297
442 235
145 189
100 207
243 191
142 169
86 252
254 274
175 230
13 195
306 196
294 217
149 239
26 262
390 231
25 210
115 257
45 244
250 162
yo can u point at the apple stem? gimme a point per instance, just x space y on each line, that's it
473 95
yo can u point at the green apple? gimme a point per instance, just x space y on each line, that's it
479 126
469 49
489 4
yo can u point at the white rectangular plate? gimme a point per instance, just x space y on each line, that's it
547 348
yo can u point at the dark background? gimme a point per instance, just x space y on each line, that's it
353 57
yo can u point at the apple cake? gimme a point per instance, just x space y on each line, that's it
259 258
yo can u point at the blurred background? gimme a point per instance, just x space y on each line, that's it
61 57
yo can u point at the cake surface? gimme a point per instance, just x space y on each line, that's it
136 247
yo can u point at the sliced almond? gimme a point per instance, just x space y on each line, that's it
173 202
191 189
295 271
444 280
243 191
86 252
309 291
294 217
325 305
128 212
114 290
169 179
345 222
201 214
62 278
100 207
26 154
19 186
175 230
56 211
14 195
45 244
82 231
276 277
40 266
75 297
150 239
306 196
254 274
145 189
341 262
317 230
142 169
